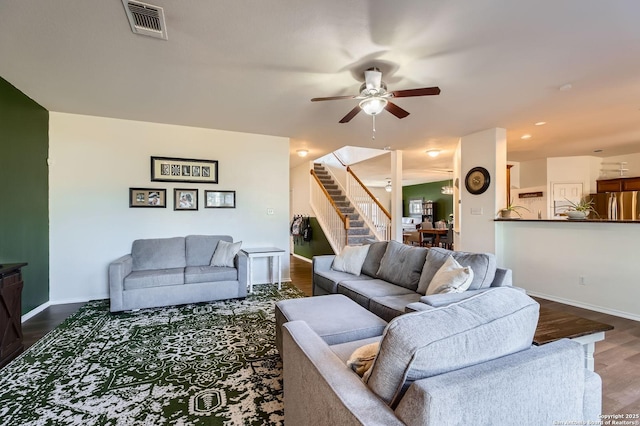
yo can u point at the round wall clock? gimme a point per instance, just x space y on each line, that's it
477 180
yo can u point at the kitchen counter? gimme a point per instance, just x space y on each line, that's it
567 220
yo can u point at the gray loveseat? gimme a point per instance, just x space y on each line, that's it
174 271
468 363
394 276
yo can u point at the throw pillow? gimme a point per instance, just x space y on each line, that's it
451 278
483 264
350 259
362 358
225 253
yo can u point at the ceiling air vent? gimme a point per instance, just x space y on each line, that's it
146 19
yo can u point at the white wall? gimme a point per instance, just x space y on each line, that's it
94 162
488 149
532 173
583 169
609 168
548 259
300 180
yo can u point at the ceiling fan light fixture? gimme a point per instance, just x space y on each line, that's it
373 105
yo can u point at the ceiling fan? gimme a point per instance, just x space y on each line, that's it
375 97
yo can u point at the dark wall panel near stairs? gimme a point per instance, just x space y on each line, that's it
24 191
318 245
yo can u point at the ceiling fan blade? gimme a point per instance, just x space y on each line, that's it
347 118
373 79
425 91
396 110
333 98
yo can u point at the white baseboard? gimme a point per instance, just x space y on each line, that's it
297 256
35 311
589 306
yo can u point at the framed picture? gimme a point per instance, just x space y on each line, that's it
220 199
166 169
147 197
185 199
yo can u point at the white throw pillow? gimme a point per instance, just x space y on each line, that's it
350 259
450 278
225 253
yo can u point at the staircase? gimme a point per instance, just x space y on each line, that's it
358 231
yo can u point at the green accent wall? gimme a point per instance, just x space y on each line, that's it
24 191
318 245
429 191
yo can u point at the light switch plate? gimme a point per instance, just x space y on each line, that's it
476 210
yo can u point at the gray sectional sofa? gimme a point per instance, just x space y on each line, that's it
174 271
467 363
394 276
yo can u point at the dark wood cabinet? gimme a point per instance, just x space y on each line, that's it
619 184
10 311
609 185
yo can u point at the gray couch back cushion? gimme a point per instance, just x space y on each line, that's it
158 253
200 248
372 261
402 264
418 345
483 265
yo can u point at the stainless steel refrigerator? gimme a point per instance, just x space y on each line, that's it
617 205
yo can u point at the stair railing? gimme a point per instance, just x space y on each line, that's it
377 218
334 223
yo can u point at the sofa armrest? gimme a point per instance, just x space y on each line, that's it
417 306
322 263
503 278
437 300
241 262
339 397
118 270
592 396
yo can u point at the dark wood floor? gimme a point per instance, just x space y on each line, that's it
617 358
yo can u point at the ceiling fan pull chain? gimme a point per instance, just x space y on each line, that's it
373 135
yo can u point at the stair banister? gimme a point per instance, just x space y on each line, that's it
341 216
377 218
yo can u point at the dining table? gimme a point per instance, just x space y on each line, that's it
436 232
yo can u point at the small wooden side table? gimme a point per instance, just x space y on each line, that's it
554 325
10 311
270 252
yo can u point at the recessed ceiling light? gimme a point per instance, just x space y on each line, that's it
302 152
527 136
433 152
541 123
566 87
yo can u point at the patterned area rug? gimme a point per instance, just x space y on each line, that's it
202 364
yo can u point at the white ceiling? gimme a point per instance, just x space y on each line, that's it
253 66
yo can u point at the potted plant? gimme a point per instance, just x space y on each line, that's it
511 211
581 209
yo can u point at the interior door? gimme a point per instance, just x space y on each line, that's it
563 194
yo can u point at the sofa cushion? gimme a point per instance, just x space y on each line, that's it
422 344
207 274
483 265
350 259
200 248
389 307
374 256
158 253
225 253
361 291
153 278
450 278
328 280
402 264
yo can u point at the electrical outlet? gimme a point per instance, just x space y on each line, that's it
581 280
269 211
